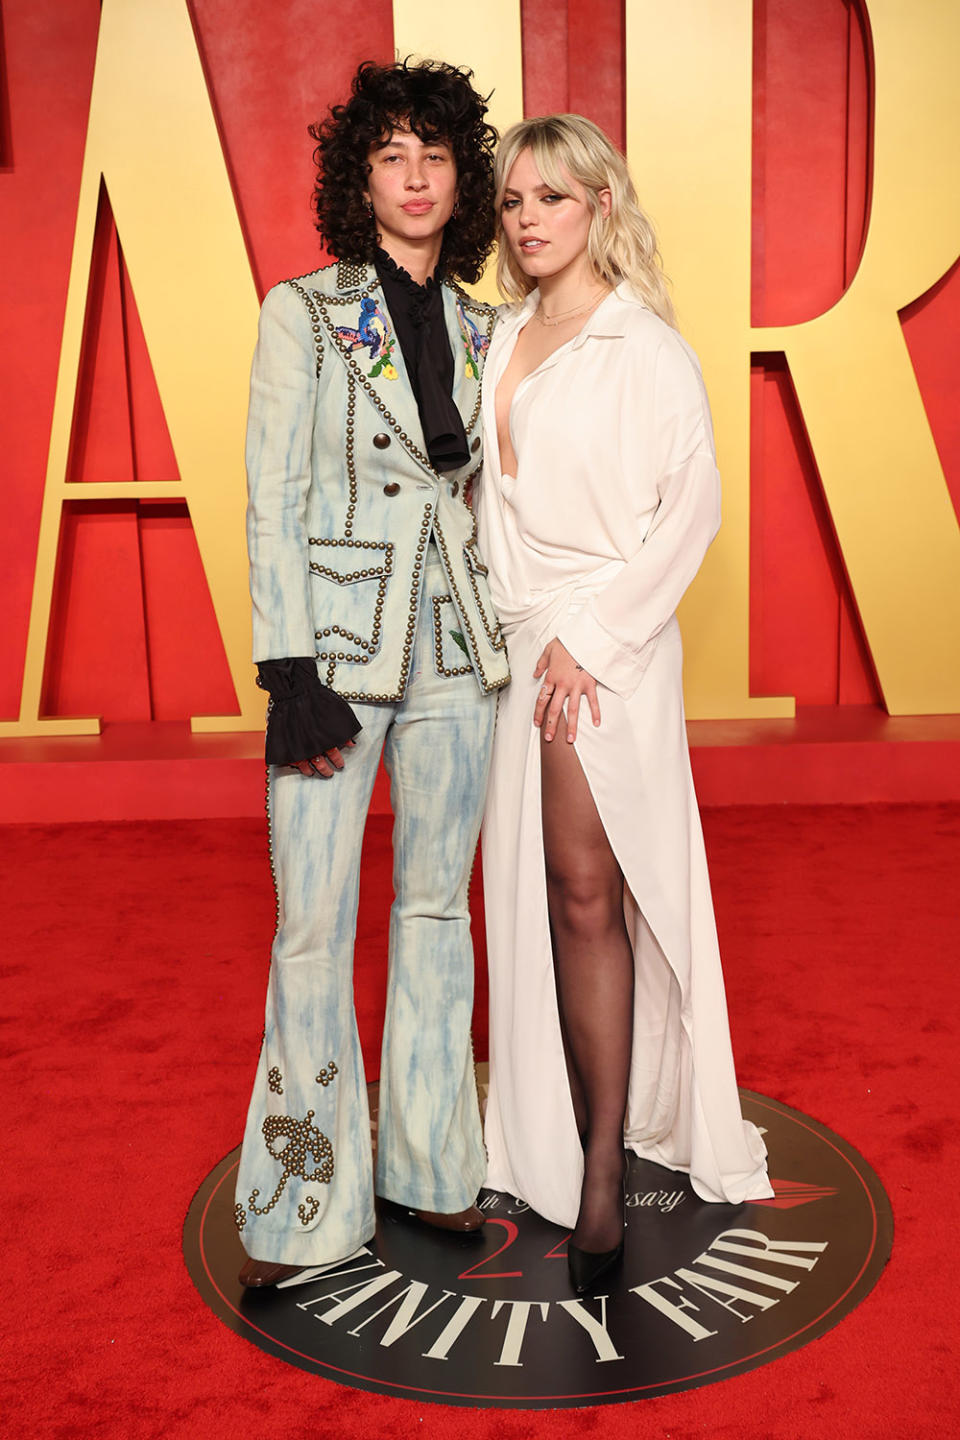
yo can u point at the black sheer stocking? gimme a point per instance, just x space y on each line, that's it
593 964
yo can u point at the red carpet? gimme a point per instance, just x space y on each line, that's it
133 972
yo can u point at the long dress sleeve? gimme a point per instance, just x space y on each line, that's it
283 398
613 636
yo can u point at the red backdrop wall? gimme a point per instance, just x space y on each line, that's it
134 636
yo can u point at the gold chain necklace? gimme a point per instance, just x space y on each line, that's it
550 320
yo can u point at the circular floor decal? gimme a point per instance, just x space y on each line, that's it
705 1291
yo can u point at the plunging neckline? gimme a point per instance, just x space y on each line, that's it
530 375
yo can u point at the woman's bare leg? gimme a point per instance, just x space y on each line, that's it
593 963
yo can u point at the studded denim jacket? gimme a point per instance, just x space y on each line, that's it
343 499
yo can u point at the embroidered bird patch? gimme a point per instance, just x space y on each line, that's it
374 335
475 343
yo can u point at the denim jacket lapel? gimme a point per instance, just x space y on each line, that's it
469 328
362 335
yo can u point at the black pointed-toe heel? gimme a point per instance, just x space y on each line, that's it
587 1266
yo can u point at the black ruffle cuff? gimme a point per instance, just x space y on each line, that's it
306 717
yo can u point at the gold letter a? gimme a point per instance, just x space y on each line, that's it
152 141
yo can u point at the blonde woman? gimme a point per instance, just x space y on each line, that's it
600 497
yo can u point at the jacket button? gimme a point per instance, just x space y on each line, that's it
381 441
392 489
476 444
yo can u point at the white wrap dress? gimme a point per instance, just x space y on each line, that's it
595 540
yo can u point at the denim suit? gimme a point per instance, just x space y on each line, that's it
362 553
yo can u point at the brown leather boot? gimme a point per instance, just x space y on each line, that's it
458 1222
464 1222
258 1273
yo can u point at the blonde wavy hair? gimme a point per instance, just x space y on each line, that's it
620 246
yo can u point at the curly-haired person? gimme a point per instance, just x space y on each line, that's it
374 634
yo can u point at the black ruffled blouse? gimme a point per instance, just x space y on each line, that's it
417 314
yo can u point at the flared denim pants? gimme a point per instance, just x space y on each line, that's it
305 1185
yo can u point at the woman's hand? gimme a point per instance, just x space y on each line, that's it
324 764
564 682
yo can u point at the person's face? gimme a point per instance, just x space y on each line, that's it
412 187
546 229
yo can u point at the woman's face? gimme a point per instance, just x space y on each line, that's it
546 229
412 187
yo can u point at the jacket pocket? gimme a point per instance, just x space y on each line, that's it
349 596
450 653
477 578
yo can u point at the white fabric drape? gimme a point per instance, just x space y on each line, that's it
595 539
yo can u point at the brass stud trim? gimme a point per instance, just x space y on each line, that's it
498 644
381 573
352 488
438 602
303 1141
351 274
305 296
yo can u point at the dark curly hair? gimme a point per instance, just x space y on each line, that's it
437 102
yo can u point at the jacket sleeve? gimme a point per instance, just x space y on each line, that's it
614 635
283 397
